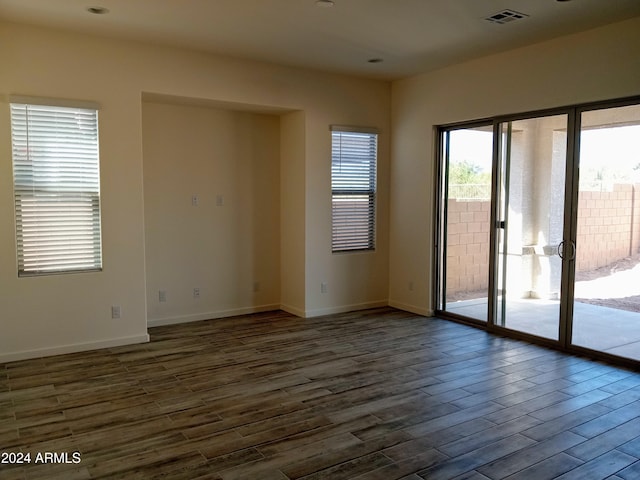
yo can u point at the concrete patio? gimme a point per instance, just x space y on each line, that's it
596 327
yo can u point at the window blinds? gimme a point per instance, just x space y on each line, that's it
353 188
56 188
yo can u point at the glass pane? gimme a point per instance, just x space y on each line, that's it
532 209
607 289
468 221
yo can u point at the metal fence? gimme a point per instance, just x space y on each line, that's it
469 192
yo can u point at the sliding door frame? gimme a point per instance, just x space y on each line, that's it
579 110
570 225
441 211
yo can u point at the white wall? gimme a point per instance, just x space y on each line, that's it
600 64
354 280
292 213
228 245
63 313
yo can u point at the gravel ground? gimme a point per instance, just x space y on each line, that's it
616 285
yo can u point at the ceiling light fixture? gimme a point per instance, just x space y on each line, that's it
98 10
324 3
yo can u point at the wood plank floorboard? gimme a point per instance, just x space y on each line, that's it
379 394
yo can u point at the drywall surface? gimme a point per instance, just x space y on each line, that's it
212 210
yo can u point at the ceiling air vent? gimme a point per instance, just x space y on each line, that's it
506 16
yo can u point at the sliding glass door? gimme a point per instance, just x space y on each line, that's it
466 207
606 304
530 226
539 227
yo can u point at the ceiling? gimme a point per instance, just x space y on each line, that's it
409 36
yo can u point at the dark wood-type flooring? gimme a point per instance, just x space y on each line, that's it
379 394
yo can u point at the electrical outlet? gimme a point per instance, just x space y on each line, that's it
411 286
195 201
219 200
256 287
196 293
162 296
323 287
115 311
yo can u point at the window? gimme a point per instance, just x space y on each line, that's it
56 187
353 188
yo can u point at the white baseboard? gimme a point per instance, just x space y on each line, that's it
344 308
298 312
411 308
158 322
78 347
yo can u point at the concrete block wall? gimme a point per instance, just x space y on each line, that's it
635 233
608 230
467 246
608 226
